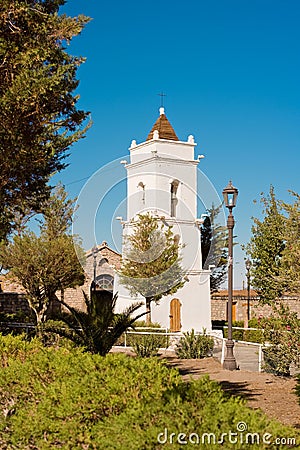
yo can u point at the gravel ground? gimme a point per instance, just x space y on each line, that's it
273 395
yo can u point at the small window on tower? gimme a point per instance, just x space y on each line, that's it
141 188
174 200
176 239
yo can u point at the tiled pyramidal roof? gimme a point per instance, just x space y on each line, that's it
164 128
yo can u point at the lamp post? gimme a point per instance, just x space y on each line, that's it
230 194
248 267
94 253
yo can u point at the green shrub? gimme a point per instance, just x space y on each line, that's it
18 348
134 339
275 361
51 331
144 324
282 332
67 399
246 335
98 328
297 389
146 345
17 317
193 346
236 334
254 336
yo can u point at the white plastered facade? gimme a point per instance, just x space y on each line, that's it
162 180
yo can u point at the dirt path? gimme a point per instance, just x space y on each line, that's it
274 395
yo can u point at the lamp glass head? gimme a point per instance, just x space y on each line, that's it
230 194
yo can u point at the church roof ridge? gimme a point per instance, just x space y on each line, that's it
100 247
163 127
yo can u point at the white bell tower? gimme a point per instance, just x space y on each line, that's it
162 179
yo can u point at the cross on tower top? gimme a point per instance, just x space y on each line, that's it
162 95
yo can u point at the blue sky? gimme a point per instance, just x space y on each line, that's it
230 70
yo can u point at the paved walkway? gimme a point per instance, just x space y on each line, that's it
246 355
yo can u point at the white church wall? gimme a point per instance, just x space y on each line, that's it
174 149
156 176
125 299
162 179
195 305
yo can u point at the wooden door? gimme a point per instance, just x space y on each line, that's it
175 315
233 311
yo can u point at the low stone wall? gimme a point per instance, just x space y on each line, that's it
219 307
11 303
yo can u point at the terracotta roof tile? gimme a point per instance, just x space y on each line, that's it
164 128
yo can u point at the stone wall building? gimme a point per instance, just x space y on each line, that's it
104 261
219 301
101 262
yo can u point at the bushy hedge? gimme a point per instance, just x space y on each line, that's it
246 335
145 344
63 398
195 346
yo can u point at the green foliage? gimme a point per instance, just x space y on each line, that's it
276 361
17 348
98 328
194 346
147 345
63 398
149 326
265 249
140 342
275 248
214 247
39 117
282 333
236 334
137 338
254 336
151 266
17 317
290 261
297 389
246 335
49 262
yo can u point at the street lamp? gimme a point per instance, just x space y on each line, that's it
95 250
230 194
248 267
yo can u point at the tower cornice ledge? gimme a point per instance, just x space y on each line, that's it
136 147
197 271
168 220
158 158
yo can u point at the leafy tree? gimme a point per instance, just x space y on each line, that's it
49 262
266 248
214 248
282 331
99 327
39 116
151 264
289 275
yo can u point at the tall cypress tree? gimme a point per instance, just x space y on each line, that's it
214 248
39 117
